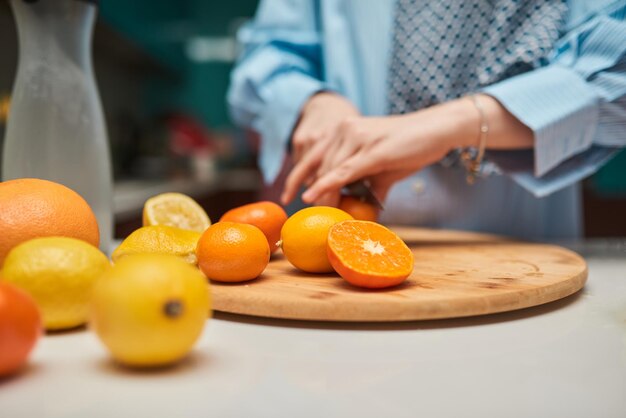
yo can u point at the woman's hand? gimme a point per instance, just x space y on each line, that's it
387 149
320 117
381 149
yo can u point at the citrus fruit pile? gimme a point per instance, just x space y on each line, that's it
317 239
149 303
50 261
148 309
366 254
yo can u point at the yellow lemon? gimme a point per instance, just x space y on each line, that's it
305 234
160 239
175 209
59 273
150 309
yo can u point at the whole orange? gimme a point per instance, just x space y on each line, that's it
20 327
359 209
32 208
232 252
267 216
305 234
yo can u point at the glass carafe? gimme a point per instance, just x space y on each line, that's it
56 128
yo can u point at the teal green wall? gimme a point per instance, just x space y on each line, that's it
145 23
161 27
611 179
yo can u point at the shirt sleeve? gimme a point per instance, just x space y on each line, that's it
278 70
575 105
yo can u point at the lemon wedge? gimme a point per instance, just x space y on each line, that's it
160 239
177 210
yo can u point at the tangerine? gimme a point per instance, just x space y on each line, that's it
33 208
367 254
267 216
304 236
358 208
20 327
232 252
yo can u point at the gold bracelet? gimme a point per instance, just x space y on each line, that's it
473 159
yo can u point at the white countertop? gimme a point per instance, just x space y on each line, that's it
565 359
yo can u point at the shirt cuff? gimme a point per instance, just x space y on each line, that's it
518 166
284 97
558 105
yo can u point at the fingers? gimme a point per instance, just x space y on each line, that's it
303 171
340 148
302 142
352 169
329 199
296 153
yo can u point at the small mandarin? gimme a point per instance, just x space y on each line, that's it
304 237
232 252
267 216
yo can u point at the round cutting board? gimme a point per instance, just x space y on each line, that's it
456 274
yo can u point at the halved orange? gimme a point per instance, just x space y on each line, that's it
367 254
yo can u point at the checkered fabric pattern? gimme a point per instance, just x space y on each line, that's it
445 49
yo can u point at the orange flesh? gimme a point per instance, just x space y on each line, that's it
369 249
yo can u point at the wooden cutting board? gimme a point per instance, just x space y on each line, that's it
456 274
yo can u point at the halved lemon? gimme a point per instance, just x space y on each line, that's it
177 210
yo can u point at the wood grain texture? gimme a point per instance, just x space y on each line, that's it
456 274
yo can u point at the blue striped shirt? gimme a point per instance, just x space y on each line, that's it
574 101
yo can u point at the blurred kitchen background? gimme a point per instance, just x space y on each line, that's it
163 69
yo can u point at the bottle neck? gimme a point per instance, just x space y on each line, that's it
53 30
